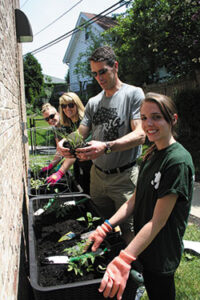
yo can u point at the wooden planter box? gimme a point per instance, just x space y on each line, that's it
62 286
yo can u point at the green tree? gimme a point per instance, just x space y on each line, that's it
157 33
34 81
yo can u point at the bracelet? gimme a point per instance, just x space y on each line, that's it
107 221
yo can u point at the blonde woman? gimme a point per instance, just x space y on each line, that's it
71 111
52 117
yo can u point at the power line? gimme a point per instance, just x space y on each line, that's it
76 29
24 3
58 18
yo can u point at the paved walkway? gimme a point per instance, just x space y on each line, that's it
195 209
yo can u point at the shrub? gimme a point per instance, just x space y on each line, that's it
188 106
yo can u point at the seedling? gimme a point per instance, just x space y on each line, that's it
90 219
36 167
36 183
73 140
80 262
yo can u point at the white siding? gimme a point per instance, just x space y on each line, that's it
79 47
78 44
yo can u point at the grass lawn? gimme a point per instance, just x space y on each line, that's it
41 134
187 276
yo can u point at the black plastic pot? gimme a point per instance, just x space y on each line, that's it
87 289
72 149
66 185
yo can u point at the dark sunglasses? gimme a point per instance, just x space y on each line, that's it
50 117
100 72
70 105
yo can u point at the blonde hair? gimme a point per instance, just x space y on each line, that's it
66 98
47 107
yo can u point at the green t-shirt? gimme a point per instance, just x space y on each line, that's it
168 171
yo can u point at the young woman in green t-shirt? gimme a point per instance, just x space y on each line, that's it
160 206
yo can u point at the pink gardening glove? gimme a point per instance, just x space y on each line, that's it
55 177
49 167
99 235
116 275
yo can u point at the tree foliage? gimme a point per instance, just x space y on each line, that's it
157 33
34 80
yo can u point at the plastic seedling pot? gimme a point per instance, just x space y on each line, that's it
63 285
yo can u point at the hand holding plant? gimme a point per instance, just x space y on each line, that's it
70 142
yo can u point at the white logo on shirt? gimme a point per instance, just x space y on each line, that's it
156 180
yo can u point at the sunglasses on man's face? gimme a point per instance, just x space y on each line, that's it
100 72
50 117
70 105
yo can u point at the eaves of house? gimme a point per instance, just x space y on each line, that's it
101 23
53 80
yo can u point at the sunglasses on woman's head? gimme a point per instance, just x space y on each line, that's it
70 105
50 117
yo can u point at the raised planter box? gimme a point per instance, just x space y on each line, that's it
43 241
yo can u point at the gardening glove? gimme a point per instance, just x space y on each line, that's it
99 235
49 167
55 177
116 275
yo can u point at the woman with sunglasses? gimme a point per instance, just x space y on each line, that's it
71 113
52 117
160 207
61 124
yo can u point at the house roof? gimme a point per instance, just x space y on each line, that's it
104 22
53 79
100 22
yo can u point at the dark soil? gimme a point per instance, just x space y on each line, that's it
48 230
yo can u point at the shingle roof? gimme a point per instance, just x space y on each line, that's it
53 79
104 22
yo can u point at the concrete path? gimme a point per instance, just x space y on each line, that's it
195 209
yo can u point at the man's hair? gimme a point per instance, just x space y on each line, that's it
104 53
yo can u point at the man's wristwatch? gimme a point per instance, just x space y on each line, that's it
108 148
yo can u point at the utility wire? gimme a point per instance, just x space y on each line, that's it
76 29
58 18
24 3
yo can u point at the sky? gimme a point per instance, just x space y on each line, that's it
41 13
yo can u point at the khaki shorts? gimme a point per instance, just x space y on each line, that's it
110 191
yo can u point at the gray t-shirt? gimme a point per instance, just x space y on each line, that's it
109 118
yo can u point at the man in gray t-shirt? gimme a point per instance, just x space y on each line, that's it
113 117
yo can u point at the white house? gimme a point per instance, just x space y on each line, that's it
80 41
